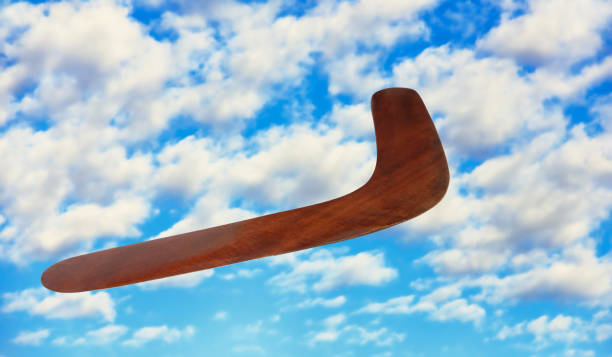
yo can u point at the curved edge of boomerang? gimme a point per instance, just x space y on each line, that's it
410 177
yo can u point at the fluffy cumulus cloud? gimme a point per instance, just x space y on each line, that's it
550 31
319 301
149 333
114 334
102 336
473 115
31 337
336 328
437 308
38 301
322 271
545 330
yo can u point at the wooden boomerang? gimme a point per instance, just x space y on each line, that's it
410 177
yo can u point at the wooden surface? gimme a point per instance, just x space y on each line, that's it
410 177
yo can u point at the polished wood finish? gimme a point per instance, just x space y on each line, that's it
410 177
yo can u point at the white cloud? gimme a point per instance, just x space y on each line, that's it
335 328
242 273
433 304
334 320
562 328
461 310
511 331
355 120
102 336
319 301
355 74
33 338
324 336
576 276
472 115
465 261
329 272
188 280
603 332
380 337
149 333
70 53
60 306
579 352
570 86
551 31
220 316
60 341
396 305
65 192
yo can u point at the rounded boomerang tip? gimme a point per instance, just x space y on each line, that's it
410 177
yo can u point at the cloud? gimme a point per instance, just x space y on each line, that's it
32 338
461 262
68 51
564 328
102 336
379 337
242 273
603 332
329 272
436 307
461 310
472 116
511 331
149 333
220 316
334 320
396 305
64 191
188 280
550 31
335 328
561 328
329 303
280 166
38 301
576 276
354 119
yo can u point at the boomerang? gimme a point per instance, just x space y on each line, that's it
410 177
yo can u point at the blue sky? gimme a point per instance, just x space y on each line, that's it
122 121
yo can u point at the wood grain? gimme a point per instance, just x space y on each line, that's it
410 177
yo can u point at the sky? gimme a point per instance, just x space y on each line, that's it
129 120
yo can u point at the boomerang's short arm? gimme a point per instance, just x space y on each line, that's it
411 176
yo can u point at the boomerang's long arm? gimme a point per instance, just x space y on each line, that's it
411 176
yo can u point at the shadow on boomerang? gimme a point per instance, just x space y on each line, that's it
410 177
